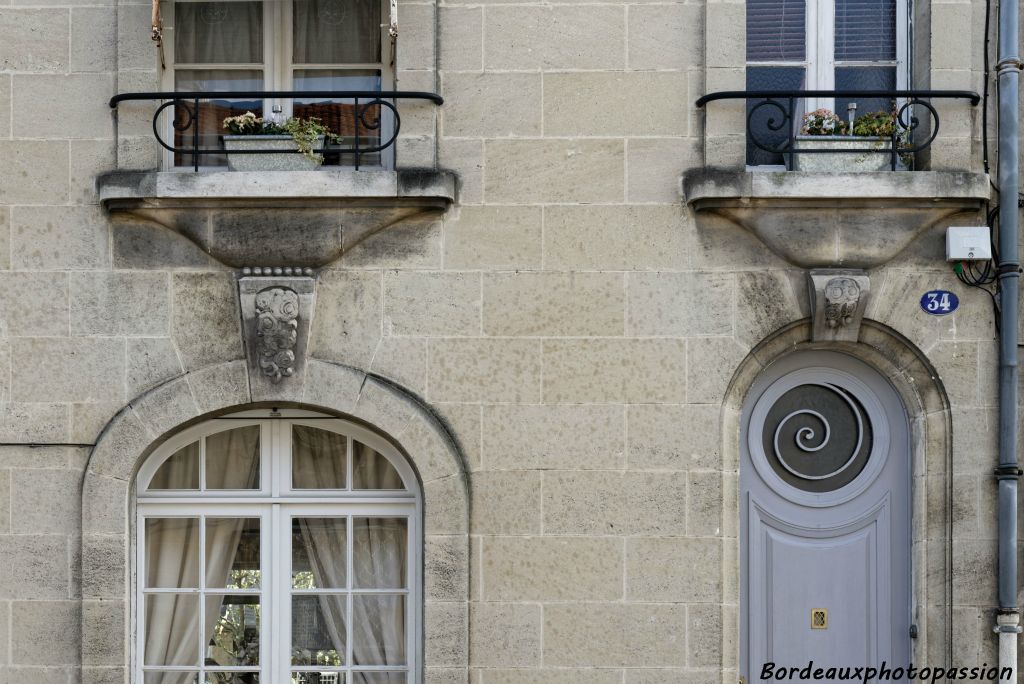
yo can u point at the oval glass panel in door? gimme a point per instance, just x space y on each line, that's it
817 437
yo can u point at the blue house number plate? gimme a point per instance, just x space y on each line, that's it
939 302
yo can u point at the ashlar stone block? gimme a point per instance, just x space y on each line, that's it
36 117
605 103
603 502
673 437
34 304
554 170
347 324
665 36
62 238
569 437
616 238
680 304
492 105
470 370
151 361
493 237
674 570
68 369
615 635
36 622
46 502
553 304
561 37
120 303
206 322
506 502
505 634
431 304
35 567
552 569
34 40
628 370
36 173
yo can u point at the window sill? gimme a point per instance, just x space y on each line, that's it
828 220
277 218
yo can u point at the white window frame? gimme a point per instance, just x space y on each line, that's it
275 503
819 51
278 69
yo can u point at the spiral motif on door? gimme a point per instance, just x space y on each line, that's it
817 436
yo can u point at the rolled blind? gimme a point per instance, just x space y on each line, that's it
775 30
865 30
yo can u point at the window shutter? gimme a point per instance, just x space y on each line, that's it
865 30
775 30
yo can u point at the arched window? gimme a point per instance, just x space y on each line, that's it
277 546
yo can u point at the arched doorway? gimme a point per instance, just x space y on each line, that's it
825 519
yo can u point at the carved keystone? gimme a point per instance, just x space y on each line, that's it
838 299
276 313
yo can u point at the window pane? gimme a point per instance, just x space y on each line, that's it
170 678
379 552
775 30
769 78
865 78
233 553
179 471
319 555
341 115
378 634
372 470
336 31
233 459
218 32
378 678
318 459
212 112
234 638
865 30
172 629
172 552
232 677
318 678
318 630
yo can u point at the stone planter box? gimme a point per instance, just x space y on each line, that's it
290 159
843 162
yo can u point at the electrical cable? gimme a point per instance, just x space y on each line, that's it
984 95
972 274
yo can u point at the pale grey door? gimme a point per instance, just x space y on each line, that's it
825 517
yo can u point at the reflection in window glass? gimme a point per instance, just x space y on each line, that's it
318 629
234 638
233 553
378 634
319 553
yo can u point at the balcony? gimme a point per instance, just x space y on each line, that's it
836 215
266 216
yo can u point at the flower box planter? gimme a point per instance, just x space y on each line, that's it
289 159
876 159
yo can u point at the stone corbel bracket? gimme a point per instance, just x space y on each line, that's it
838 300
276 313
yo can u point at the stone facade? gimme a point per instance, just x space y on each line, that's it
563 353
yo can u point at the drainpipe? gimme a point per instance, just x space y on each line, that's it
1008 473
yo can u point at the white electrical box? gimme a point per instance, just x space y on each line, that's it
968 243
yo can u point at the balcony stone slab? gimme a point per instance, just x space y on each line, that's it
833 220
284 218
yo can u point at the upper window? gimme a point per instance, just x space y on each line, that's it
279 45
277 550
824 45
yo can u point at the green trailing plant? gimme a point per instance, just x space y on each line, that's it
305 132
883 126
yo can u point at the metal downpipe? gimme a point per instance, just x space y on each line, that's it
1007 473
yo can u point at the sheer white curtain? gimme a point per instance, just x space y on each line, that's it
172 557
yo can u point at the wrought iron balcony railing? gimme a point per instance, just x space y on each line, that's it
366 122
774 121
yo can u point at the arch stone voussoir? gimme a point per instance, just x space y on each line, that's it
133 433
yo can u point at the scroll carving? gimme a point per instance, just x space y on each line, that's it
838 300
